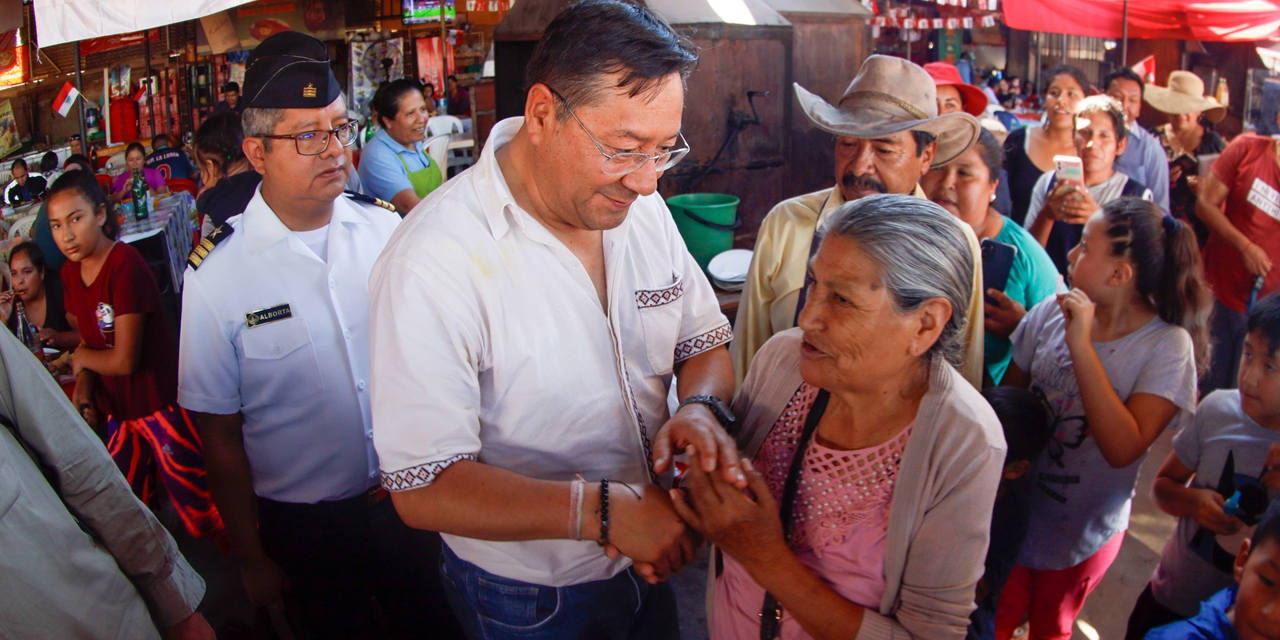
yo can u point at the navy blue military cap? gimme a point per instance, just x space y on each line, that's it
289 70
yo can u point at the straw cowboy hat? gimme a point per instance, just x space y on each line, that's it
888 96
1185 94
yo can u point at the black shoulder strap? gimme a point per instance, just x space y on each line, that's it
771 611
207 245
377 202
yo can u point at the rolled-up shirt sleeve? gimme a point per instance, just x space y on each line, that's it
93 489
702 325
426 355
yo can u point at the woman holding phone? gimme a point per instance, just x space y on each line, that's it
967 189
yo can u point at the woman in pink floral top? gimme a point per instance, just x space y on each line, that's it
899 458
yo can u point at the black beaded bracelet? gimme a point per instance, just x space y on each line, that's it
604 512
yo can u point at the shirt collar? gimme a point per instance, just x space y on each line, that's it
491 186
262 229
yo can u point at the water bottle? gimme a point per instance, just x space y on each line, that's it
27 331
139 196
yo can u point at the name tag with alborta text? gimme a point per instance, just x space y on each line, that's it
268 315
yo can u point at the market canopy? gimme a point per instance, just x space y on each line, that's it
60 21
1207 20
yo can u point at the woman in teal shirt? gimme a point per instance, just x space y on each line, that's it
967 188
394 166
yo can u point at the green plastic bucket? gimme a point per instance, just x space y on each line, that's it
706 222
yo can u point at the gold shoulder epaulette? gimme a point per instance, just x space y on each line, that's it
377 202
202 250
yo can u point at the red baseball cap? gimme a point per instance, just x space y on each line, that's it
943 73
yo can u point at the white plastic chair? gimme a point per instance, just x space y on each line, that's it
438 149
444 125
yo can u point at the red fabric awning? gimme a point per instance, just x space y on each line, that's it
1209 20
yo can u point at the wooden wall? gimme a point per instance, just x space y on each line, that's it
732 61
827 53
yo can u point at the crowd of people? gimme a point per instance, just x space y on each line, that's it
455 421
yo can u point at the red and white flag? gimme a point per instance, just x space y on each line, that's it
66 98
141 93
1146 68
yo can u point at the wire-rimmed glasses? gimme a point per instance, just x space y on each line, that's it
624 162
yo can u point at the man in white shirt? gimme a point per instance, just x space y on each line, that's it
526 322
274 358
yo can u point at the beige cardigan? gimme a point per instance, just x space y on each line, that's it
940 517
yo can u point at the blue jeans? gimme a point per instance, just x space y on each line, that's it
492 607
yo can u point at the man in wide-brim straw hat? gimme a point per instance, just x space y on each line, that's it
1185 95
1183 100
887 135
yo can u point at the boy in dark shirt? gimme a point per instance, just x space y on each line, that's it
1027 429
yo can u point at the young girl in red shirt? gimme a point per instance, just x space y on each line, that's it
127 361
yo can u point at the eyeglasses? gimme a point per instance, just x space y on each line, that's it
622 163
313 143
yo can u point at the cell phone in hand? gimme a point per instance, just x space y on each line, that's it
997 262
1068 170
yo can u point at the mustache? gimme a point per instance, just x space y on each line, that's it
863 182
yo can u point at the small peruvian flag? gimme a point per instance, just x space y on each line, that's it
1146 68
66 98
141 93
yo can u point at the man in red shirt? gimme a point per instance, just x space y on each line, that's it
1244 241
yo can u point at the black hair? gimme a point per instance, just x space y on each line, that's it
1025 418
386 100
231 86
155 141
1268 530
18 163
991 152
80 159
1125 73
135 146
219 138
1167 268
85 185
1104 104
34 254
923 139
597 38
1067 70
48 162
1265 319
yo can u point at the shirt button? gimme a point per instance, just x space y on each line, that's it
360 385
370 435
332 283
346 333
373 475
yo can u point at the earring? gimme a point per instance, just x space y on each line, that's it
993 197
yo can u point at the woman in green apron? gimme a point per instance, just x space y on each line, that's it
394 165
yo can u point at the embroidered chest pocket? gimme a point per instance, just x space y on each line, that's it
660 311
279 364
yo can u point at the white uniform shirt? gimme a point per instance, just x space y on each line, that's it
301 381
488 342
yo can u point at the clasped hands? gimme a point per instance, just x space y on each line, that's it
722 499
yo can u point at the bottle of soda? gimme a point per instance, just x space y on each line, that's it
139 196
27 331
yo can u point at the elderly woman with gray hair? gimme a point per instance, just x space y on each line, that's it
872 465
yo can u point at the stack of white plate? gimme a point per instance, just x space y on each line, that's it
728 270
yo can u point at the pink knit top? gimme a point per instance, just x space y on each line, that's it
838 525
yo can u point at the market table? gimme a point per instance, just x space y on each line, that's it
170 219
